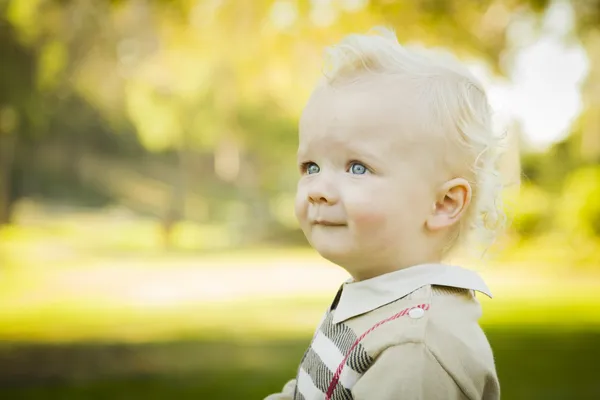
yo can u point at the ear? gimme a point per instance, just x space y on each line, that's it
453 200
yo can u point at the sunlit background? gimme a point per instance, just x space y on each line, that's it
148 247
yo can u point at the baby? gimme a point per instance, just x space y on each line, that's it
398 164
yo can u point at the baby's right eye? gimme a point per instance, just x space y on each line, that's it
310 168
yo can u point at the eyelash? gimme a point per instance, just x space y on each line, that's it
304 166
351 163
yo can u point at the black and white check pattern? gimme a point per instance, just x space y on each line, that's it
329 346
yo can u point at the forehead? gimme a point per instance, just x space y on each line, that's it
372 111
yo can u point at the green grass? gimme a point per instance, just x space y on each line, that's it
69 328
253 319
47 305
545 347
532 364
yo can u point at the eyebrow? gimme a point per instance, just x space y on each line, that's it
301 153
360 152
355 152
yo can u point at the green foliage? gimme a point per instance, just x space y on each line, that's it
156 118
588 15
202 82
17 81
270 135
23 15
53 60
579 208
538 5
550 168
531 212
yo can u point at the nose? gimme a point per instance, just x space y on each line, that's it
322 191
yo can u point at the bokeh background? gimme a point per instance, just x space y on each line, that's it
148 247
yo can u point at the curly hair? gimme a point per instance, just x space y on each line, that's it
459 107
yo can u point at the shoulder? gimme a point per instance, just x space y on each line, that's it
454 337
431 313
454 315
445 336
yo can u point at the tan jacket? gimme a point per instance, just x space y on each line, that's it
408 335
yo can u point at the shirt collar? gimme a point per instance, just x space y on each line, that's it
360 297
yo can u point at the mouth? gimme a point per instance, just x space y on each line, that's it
328 223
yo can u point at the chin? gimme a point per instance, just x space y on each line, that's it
339 255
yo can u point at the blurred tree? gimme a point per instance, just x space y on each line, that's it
588 17
580 208
237 53
585 138
18 118
220 80
532 215
51 124
581 147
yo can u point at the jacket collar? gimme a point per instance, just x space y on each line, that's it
361 297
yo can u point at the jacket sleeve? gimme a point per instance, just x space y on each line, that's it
286 394
409 372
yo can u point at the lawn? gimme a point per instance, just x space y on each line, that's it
108 317
546 346
532 364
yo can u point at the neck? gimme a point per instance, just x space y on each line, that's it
364 272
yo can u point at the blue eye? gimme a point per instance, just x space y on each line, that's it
357 168
311 168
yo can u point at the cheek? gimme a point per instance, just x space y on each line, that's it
300 206
380 224
368 217
377 209
370 226
367 214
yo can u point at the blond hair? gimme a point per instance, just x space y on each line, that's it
458 104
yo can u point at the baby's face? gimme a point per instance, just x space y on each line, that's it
369 174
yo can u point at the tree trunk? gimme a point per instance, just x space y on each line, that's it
175 211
